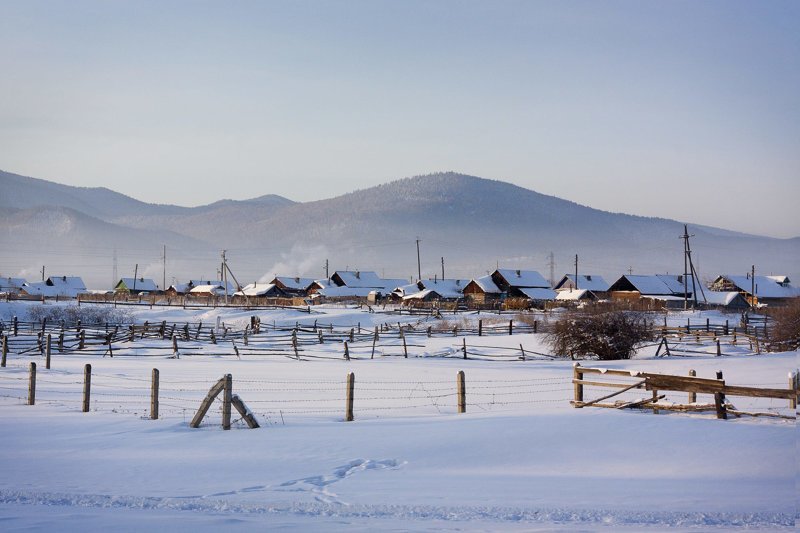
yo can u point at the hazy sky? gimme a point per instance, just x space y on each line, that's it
686 110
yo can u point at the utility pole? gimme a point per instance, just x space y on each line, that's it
135 275
552 264
442 267
752 285
689 270
576 272
327 273
630 270
114 277
419 266
225 276
42 272
164 279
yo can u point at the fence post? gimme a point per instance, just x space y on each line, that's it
692 395
521 349
154 396
82 342
346 352
793 388
719 349
5 351
87 386
405 348
719 401
510 327
32 385
535 326
464 346
174 345
47 353
462 392
294 343
374 342
226 402
351 385
577 376
480 328
319 334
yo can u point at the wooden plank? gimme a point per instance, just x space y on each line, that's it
245 413
204 406
756 392
461 391
587 404
683 383
608 384
610 372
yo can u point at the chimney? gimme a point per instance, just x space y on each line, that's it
358 275
519 273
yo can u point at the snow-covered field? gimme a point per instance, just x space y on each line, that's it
520 459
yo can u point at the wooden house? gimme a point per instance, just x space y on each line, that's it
510 281
768 290
293 286
591 282
136 285
483 289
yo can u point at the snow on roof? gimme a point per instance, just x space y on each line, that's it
355 278
180 288
421 295
256 289
11 283
487 285
766 287
208 289
538 293
522 278
585 281
322 283
575 294
67 282
140 284
659 284
447 288
294 283
720 297
780 279
406 290
339 292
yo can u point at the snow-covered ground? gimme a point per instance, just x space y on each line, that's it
520 459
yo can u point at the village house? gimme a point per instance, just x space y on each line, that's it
293 286
511 281
136 285
56 286
483 290
268 290
665 288
591 282
768 290
11 285
358 284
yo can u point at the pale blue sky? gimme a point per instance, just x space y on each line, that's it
686 110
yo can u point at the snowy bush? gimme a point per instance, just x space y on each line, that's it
86 314
785 332
603 334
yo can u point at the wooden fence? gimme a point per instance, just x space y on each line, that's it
624 381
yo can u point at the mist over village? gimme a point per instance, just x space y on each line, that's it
529 266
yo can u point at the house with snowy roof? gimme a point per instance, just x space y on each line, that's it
11 285
354 283
508 280
591 282
666 288
447 289
56 286
268 290
770 290
293 286
483 290
136 285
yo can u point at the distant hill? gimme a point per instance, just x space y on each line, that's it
474 223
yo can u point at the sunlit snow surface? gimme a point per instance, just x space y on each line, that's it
520 459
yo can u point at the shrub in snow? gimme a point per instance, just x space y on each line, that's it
600 333
70 314
785 332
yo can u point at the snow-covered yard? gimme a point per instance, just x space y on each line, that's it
520 458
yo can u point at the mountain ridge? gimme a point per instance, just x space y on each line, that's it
470 221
